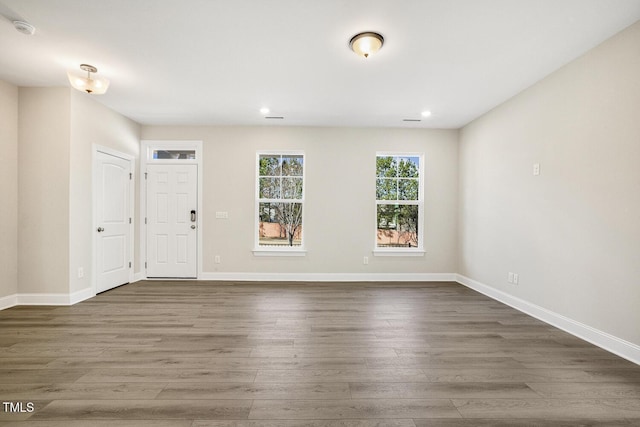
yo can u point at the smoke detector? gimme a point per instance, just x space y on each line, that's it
24 27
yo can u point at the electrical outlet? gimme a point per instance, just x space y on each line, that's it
365 261
510 277
222 215
216 259
536 168
80 272
515 278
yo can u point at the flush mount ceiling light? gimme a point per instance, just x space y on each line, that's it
93 85
365 44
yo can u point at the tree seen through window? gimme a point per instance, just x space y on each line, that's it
398 201
280 199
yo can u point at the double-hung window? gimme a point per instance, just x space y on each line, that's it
399 203
279 202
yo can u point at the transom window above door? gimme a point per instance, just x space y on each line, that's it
173 151
174 154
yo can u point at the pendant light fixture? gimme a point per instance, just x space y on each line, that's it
367 43
93 85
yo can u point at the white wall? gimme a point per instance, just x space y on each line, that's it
57 130
340 196
91 123
43 188
573 232
8 189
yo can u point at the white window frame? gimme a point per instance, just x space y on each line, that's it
284 250
417 251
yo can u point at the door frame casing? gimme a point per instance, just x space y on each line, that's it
132 169
146 149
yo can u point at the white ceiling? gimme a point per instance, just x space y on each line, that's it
215 62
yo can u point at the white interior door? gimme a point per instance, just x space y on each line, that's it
172 219
113 183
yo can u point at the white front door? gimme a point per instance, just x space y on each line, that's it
172 218
113 182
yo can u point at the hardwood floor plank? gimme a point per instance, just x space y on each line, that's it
23 414
286 391
79 391
525 422
549 408
508 375
337 375
99 423
426 390
439 362
346 351
307 423
28 351
210 351
166 375
236 363
355 408
25 362
18 376
131 362
587 390
115 410
583 362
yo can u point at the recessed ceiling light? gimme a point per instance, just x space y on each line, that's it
426 113
264 110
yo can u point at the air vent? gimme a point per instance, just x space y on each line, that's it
274 117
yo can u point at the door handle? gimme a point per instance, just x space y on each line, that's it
100 229
193 216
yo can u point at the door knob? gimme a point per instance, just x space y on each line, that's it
100 229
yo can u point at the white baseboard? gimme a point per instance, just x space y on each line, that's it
615 345
8 301
138 277
330 277
81 295
43 299
54 299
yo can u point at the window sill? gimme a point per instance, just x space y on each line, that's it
398 252
276 252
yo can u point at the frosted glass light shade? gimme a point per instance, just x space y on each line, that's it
365 44
93 85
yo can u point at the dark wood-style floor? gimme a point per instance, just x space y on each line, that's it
342 354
